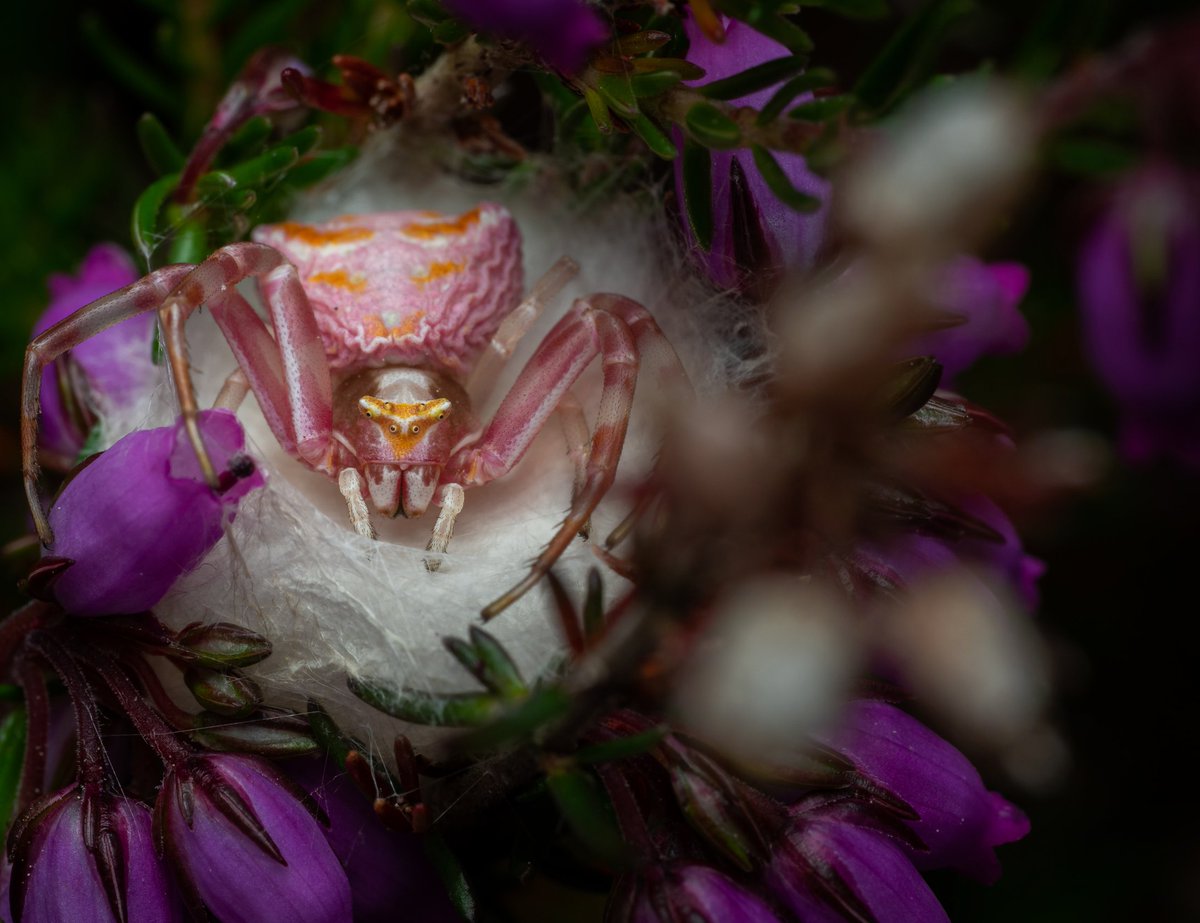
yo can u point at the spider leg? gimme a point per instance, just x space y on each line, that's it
578 438
287 371
585 332
350 483
144 295
519 320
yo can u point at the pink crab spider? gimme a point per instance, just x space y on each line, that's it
377 323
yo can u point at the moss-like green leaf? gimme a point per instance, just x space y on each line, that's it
12 750
147 235
769 23
462 710
780 185
906 59
317 166
654 137
755 78
697 194
586 812
854 9
598 109
620 748
712 127
812 79
653 83
161 153
450 871
685 69
823 109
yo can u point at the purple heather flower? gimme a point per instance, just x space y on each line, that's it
831 869
387 869
911 555
56 877
140 515
986 297
663 894
1139 296
246 847
561 31
747 216
960 821
107 371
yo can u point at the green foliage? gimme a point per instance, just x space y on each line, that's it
12 749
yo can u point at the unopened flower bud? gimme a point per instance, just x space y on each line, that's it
223 645
89 859
245 847
226 693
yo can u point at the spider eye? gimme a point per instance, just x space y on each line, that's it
416 429
421 406
392 428
441 416
367 414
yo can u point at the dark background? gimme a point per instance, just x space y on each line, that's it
1116 840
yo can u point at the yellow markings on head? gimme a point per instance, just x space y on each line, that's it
316 237
436 271
404 425
452 226
339 278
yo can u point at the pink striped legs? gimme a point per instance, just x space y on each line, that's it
144 295
617 330
288 372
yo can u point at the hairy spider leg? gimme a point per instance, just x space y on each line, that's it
144 295
287 372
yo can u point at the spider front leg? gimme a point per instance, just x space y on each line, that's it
144 295
287 371
603 325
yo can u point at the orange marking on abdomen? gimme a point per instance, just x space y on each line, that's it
437 228
340 279
409 326
436 271
374 327
315 237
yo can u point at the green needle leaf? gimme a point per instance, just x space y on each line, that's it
145 230
12 750
587 812
712 127
697 193
754 79
161 152
463 710
780 185
658 142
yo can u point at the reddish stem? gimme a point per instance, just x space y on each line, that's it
89 749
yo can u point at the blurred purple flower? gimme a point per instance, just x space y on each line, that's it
831 869
747 216
139 516
561 31
960 821
986 297
245 846
105 372
56 877
387 869
1139 294
664 894
912 555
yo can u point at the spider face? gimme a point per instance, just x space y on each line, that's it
399 426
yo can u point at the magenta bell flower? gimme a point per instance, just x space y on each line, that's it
107 371
985 296
912 555
1139 300
831 867
140 515
561 31
387 869
791 238
245 846
56 878
960 821
665 894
